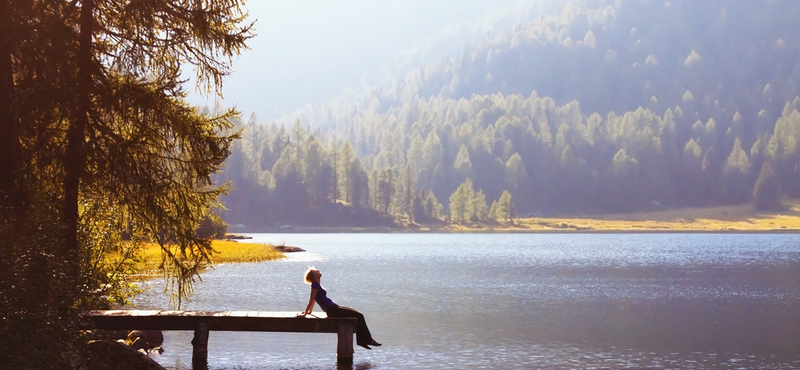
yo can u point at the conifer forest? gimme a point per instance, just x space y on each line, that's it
603 107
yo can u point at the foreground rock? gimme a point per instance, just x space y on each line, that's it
152 338
108 355
288 249
146 340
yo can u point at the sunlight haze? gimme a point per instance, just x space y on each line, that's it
307 52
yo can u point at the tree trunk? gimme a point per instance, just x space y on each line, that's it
9 132
75 156
9 164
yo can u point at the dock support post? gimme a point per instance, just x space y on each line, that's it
344 348
200 343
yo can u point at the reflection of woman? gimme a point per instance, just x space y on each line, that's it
320 296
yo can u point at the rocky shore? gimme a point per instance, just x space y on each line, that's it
288 249
112 352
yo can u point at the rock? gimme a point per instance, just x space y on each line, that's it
154 337
146 341
140 343
138 340
108 355
288 249
237 237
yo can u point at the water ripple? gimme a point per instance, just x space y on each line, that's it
593 301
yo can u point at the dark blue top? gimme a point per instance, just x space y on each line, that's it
322 297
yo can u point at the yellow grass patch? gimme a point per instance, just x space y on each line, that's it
709 219
228 251
225 251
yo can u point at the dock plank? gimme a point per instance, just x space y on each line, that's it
201 322
265 321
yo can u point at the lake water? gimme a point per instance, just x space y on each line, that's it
526 301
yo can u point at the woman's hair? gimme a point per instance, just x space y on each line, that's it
307 275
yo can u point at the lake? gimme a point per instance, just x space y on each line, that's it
503 301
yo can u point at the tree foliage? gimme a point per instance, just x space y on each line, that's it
96 138
502 209
766 194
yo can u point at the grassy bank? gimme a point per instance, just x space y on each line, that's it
741 218
225 251
708 219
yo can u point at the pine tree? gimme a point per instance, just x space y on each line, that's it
432 207
358 191
386 190
515 172
766 193
417 209
93 121
128 87
317 171
463 164
735 186
493 212
407 189
502 207
462 202
335 165
794 184
480 211
346 158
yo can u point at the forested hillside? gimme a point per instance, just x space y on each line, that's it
607 106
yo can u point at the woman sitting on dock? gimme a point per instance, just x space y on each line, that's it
320 296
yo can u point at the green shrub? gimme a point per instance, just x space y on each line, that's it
212 226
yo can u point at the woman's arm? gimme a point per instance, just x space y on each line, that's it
311 302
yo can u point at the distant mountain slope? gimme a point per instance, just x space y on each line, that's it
645 53
606 106
723 55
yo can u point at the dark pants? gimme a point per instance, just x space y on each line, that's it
362 332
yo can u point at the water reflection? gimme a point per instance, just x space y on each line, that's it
520 301
366 365
199 364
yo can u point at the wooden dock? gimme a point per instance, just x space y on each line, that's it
202 322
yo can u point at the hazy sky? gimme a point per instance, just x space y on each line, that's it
309 51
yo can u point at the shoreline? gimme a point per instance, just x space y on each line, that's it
400 230
742 219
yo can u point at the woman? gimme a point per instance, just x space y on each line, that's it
320 296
